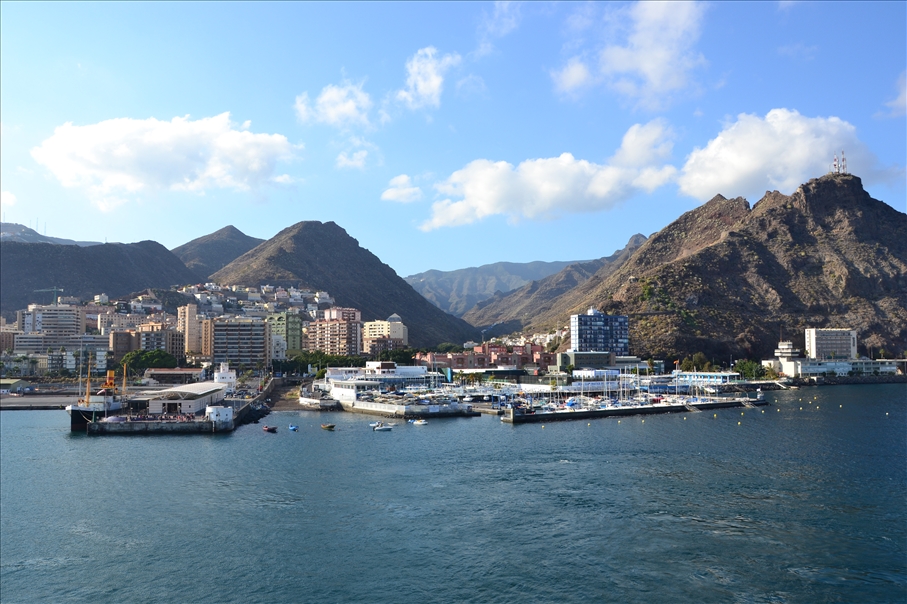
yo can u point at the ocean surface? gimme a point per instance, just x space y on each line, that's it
802 501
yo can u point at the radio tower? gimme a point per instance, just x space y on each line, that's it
843 163
834 166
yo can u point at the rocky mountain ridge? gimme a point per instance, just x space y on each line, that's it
726 280
208 254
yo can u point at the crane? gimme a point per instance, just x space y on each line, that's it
53 289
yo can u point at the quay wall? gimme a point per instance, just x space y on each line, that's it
156 427
535 418
404 411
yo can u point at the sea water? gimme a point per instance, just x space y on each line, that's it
801 501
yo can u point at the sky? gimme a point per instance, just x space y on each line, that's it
439 135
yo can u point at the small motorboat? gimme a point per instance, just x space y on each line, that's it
380 427
328 427
420 422
271 429
294 428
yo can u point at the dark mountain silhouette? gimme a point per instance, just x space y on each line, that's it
322 256
207 255
10 231
116 269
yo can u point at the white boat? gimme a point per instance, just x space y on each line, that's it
382 427
94 407
420 422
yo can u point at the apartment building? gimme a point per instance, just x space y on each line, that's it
54 321
287 325
238 341
190 325
597 332
393 328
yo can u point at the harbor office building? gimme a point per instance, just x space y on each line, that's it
597 332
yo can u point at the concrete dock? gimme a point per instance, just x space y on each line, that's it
514 416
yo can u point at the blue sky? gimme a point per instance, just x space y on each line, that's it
439 135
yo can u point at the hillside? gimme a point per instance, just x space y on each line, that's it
116 269
207 255
10 231
323 256
726 280
510 312
458 291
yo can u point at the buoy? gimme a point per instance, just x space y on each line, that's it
763 411
716 415
684 419
543 426
644 421
841 406
738 423
886 413
741 413
801 408
778 410
618 421
589 424
817 406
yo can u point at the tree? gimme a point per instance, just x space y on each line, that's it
687 364
139 360
752 370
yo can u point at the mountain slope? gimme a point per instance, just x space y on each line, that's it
458 291
10 231
323 256
512 311
116 269
207 255
728 280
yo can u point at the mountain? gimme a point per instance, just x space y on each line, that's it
458 291
10 231
207 255
510 312
116 269
322 256
726 279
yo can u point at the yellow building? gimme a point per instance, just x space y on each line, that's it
393 329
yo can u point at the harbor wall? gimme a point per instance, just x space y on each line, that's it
155 427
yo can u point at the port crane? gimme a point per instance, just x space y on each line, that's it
54 289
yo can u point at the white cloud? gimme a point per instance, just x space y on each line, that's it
658 56
402 190
574 75
780 151
898 105
7 200
341 106
284 179
546 187
425 78
504 19
118 158
356 160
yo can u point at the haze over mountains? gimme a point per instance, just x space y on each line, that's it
10 231
724 279
458 291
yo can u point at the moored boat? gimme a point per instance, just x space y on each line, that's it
294 428
94 407
328 427
271 429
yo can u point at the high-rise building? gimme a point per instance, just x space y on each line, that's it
831 343
190 325
53 321
288 325
238 341
597 332
339 333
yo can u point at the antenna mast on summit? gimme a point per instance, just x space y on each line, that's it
834 166
843 163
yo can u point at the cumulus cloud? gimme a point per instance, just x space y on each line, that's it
119 158
574 75
657 57
354 160
7 200
546 187
780 151
402 190
425 78
898 105
341 106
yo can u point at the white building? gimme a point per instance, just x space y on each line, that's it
226 376
831 343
